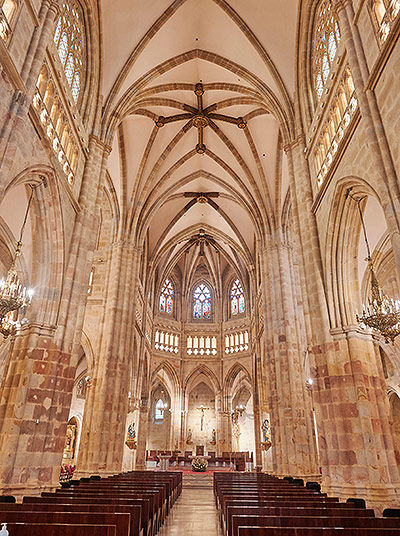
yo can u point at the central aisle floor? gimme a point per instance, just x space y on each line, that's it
194 514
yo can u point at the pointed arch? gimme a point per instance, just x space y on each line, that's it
166 303
202 298
233 374
70 41
170 372
237 298
202 370
325 42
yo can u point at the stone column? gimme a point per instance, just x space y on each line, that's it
351 405
36 392
257 404
142 435
292 438
103 428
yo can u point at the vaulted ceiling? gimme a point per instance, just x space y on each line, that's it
242 52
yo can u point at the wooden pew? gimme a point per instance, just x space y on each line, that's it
133 511
121 522
311 521
306 531
146 521
39 529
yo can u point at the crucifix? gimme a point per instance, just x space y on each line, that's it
203 410
200 118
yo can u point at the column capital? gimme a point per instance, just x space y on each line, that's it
100 144
339 5
299 140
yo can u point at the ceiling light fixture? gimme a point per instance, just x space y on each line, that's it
13 295
380 313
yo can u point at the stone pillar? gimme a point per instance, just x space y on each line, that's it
291 424
352 409
224 424
142 435
103 428
36 393
258 402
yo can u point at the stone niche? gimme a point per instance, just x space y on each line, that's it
201 395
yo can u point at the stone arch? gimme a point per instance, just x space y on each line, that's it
170 372
233 375
48 248
207 372
343 235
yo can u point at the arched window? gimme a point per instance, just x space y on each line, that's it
325 44
70 41
384 14
167 298
9 10
202 302
237 298
159 412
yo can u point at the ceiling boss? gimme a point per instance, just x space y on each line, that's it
200 118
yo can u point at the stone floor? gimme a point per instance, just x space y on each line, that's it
194 514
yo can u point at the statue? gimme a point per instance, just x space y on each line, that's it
189 440
266 428
69 446
131 437
131 431
213 437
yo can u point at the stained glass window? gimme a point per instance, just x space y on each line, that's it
202 302
159 412
70 41
325 44
237 298
167 298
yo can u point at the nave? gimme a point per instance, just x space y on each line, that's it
194 514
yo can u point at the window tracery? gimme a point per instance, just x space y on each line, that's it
325 44
159 410
48 103
167 342
339 117
237 298
202 302
69 38
384 13
167 298
8 11
201 345
237 342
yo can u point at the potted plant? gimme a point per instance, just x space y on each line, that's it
199 465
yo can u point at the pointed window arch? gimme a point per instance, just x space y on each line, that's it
384 13
238 306
326 39
159 411
70 40
167 298
202 302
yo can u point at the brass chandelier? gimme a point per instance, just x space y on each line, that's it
380 312
13 295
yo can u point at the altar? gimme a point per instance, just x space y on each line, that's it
164 461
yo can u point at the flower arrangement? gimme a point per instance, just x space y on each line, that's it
66 473
199 465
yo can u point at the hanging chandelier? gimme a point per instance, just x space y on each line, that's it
13 295
380 312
